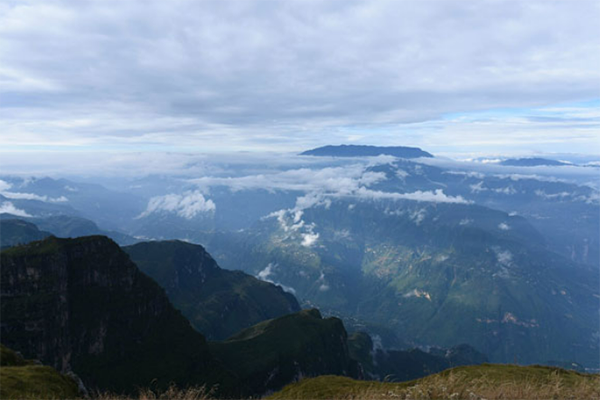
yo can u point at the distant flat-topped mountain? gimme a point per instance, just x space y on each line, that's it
531 162
367 151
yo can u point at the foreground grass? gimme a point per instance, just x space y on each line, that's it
488 381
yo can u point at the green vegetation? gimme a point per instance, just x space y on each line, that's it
16 231
487 381
202 291
22 379
434 274
273 353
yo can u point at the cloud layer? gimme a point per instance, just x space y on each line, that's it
187 205
261 74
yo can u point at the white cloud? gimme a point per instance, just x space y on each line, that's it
309 239
268 271
437 196
477 187
293 72
418 216
543 194
503 226
9 208
323 284
4 186
187 205
401 174
504 257
341 180
33 196
265 273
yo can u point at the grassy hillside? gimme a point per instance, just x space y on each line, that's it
22 379
484 382
487 381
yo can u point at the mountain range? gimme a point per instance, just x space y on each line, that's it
402 253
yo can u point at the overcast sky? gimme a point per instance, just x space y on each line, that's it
449 76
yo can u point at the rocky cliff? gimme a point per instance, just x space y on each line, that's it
82 305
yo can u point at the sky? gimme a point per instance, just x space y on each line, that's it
455 77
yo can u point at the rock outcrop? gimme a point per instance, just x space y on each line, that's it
82 305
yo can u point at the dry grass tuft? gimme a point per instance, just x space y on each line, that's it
172 393
457 385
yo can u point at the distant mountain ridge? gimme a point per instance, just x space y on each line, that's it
367 151
217 302
438 274
405 365
15 231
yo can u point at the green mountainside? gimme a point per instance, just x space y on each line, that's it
17 231
217 302
437 274
67 226
273 353
82 305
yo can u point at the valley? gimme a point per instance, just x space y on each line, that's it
367 267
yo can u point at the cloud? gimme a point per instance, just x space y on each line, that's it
341 180
547 196
265 273
309 239
322 282
436 196
268 271
4 186
504 257
503 226
265 74
9 208
187 205
33 196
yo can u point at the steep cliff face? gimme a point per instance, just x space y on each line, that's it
217 302
82 305
277 352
